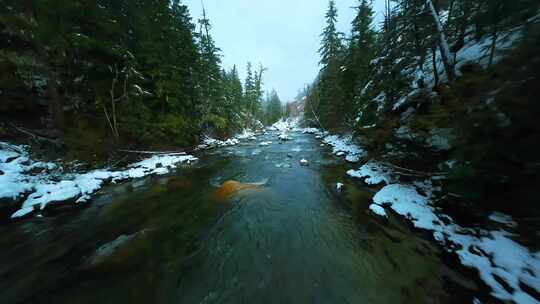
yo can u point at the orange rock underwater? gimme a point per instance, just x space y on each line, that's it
231 187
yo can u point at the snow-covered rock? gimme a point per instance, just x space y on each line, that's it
284 136
377 210
373 173
246 134
211 143
404 132
344 146
265 143
352 158
304 162
339 187
440 139
310 131
285 125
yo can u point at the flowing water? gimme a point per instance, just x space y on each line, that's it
281 233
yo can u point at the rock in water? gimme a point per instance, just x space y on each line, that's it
377 210
231 187
304 162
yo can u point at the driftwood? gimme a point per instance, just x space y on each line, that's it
411 172
153 152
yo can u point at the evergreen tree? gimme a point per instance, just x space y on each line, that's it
211 77
331 101
273 111
361 50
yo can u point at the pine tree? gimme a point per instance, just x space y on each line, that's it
361 50
331 42
273 108
331 101
210 84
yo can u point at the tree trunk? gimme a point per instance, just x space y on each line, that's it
434 61
55 104
29 9
443 43
493 47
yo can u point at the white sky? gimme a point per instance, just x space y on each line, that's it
283 35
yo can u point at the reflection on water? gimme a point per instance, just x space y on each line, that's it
215 233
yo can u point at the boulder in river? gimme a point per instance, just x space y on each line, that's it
377 210
304 162
232 187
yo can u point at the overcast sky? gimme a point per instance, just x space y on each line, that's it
283 35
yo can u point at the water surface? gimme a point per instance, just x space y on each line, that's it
171 239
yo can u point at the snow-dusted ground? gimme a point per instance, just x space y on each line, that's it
45 183
475 51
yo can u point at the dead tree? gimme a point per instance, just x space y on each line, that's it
112 117
446 56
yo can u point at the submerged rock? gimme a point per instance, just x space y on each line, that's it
232 187
107 250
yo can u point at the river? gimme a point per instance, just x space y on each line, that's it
289 237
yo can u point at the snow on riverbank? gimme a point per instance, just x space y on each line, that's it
212 143
46 183
344 146
285 125
341 145
500 261
507 267
42 183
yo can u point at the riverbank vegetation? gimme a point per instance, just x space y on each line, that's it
439 86
93 76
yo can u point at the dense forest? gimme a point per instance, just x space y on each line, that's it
437 81
93 76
